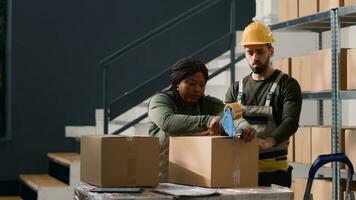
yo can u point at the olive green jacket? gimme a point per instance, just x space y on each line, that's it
168 117
286 101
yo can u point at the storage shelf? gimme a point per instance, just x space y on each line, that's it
302 170
318 22
344 94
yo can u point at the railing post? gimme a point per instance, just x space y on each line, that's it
232 39
105 100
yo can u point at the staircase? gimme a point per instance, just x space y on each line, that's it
63 174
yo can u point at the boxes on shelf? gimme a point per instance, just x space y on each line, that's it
119 161
302 72
303 146
350 145
325 5
308 7
351 69
322 144
320 62
213 161
349 2
283 64
291 154
299 188
287 10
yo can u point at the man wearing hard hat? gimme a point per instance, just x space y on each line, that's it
270 102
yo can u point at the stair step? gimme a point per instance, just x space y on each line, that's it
10 198
64 158
36 181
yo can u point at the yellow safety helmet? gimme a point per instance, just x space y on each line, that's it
256 33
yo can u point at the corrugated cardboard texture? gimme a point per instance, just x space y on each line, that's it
320 61
302 72
303 145
121 161
321 189
349 2
351 69
287 10
325 5
213 161
350 145
291 152
91 174
283 64
308 7
321 142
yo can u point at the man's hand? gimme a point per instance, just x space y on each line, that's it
203 133
267 143
236 110
215 126
248 134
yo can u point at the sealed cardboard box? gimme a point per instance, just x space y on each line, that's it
308 7
283 64
351 69
119 161
350 145
302 72
291 156
213 161
303 145
349 2
287 10
299 188
321 189
321 142
320 61
325 5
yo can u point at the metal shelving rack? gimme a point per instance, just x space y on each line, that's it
332 21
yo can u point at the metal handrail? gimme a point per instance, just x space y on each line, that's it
117 100
105 63
157 31
143 116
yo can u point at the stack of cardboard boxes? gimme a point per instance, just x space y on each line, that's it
293 9
313 71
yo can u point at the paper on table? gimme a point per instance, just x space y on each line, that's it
184 190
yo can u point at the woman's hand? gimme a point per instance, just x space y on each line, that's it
203 133
215 126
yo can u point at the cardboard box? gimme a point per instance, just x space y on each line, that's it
283 64
291 155
350 145
299 188
320 62
308 7
287 10
322 144
349 2
351 69
119 161
325 5
321 189
303 145
302 72
213 161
